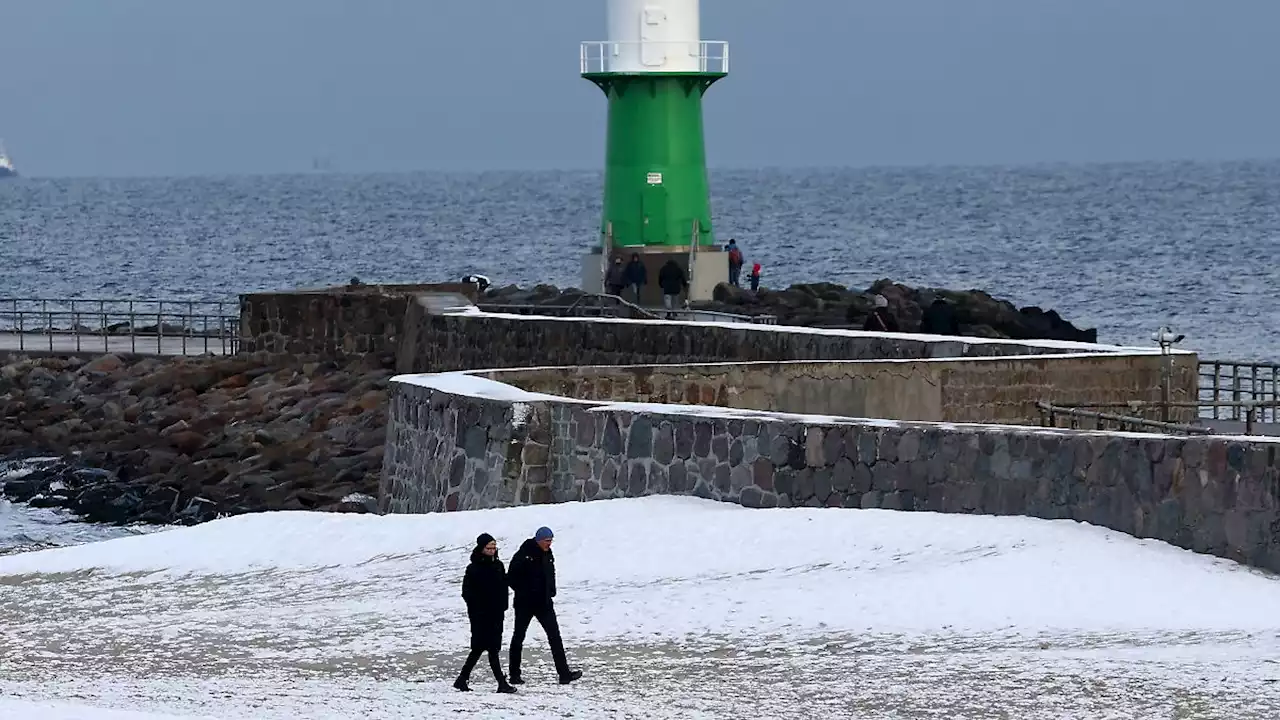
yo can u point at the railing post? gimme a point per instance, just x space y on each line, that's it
1275 393
1248 419
1217 386
1235 392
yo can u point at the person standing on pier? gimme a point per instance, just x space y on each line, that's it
484 588
735 262
880 318
755 277
635 276
533 578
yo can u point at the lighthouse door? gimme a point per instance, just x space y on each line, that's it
653 33
653 204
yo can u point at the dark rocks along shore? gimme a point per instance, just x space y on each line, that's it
169 440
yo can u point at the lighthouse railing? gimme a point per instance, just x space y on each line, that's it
606 56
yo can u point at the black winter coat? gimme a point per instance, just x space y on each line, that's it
672 279
940 319
532 576
881 320
635 273
484 588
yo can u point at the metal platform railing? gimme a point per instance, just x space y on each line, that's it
605 305
1092 417
607 56
160 327
1229 387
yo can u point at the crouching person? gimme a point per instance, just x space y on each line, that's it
484 588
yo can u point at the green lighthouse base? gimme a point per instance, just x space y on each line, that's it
705 267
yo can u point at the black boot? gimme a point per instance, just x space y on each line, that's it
461 684
516 679
570 677
505 687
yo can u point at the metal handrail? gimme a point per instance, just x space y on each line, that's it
1049 418
603 56
111 325
578 308
1228 383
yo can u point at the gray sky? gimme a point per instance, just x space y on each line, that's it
159 87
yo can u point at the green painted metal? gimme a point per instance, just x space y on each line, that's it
655 183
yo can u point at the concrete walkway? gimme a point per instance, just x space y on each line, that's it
116 344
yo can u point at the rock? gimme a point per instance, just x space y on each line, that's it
106 364
830 305
187 440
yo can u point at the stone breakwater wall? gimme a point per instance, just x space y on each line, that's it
332 322
453 451
984 389
444 343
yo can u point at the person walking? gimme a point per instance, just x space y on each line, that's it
615 279
672 280
533 578
635 276
484 588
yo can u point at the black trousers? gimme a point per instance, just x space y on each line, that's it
547 619
474 657
486 636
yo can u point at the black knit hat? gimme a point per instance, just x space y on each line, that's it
483 539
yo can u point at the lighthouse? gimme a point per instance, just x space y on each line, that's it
654 69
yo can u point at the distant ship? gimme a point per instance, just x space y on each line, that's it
6 165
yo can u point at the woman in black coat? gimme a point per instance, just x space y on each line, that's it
484 588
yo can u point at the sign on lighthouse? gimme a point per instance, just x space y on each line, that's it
654 69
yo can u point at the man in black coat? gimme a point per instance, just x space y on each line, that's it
484 588
672 280
635 276
533 578
940 319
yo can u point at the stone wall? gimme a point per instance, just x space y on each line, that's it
343 321
1210 494
1003 390
441 448
441 343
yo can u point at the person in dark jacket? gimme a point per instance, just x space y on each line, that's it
635 276
533 578
616 278
880 318
940 319
735 262
672 280
484 588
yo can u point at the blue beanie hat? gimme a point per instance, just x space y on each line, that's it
544 533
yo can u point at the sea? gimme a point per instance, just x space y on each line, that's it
1125 248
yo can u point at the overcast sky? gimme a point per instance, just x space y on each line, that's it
160 87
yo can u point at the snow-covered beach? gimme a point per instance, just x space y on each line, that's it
674 607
